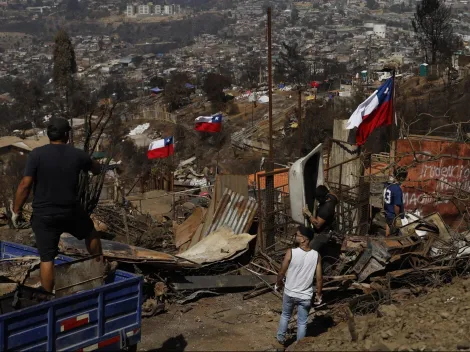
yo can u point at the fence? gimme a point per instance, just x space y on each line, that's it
134 187
353 207
275 227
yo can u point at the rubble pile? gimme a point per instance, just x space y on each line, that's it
186 174
438 321
135 228
427 253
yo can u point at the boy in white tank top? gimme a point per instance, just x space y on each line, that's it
299 267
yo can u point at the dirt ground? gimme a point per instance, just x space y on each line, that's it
220 323
438 321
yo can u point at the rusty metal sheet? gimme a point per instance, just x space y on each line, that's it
78 275
235 212
120 252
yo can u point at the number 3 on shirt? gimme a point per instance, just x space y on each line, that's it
387 196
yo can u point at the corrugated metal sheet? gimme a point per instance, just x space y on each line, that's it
234 211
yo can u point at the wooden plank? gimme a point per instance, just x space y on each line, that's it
185 231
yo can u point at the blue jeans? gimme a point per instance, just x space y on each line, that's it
303 308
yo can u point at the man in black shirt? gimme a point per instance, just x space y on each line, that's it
324 221
53 171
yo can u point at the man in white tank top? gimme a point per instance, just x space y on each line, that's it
299 267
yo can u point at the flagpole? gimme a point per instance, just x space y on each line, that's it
393 146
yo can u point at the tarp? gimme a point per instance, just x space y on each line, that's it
264 99
189 86
156 90
220 245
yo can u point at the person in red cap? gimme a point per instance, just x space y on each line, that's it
52 172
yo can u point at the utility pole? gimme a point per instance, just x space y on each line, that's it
269 227
270 87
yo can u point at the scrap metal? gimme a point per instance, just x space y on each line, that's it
235 212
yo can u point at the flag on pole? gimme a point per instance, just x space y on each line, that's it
161 148
375 111
209 123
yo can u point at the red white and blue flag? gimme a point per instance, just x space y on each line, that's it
161 148
375 111
209 123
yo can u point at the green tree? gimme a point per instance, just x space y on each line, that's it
431 24
65 65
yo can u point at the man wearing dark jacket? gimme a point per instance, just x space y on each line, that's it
323 223
53 171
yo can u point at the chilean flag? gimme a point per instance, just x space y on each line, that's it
375 111
209 123
161 148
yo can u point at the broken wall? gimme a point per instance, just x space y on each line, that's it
437 170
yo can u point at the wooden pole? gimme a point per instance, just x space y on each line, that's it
269 218
299 124
392 126
270 87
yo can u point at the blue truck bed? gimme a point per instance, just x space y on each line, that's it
104 318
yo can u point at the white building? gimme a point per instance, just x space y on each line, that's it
167 10
143 10
158 9
130 10
379 30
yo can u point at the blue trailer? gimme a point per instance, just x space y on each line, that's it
104 318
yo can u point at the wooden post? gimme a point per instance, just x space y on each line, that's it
299 124
126 226
345 173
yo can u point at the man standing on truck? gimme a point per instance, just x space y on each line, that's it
393 202
299 267
53 171
324 221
